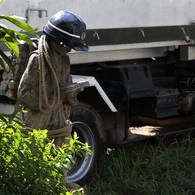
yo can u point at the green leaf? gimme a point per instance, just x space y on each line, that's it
14 47
2 34
75 135
7 38
7 30
18 122
3 119
22 25
14 35
2 63
23 37
2 192
12 186
11 127
7 60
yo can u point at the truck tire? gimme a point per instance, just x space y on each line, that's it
89 127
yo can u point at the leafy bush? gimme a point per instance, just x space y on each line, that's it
12 38
33 164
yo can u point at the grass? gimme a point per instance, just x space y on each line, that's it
164 168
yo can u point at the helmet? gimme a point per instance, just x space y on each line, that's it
68 29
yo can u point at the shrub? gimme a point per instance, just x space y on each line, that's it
12 38
33 164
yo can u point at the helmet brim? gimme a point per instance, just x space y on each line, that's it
81 48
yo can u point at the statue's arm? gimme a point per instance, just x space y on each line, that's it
29 84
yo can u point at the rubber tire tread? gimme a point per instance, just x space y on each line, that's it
87 114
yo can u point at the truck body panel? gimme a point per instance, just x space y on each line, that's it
106 14
118 27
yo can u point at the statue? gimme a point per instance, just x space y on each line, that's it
46 90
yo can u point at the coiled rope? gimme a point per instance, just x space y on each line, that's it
43 56
45 62
51 134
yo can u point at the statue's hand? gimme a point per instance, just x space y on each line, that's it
73 87
69 92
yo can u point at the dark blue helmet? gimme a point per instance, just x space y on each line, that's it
68 29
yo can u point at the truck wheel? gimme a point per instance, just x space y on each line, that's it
89 128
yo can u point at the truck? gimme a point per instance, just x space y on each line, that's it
140 69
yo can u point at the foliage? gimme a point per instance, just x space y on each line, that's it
33 164
11 38
163 168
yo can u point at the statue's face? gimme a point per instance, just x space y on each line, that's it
62 50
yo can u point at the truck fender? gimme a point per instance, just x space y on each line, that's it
93 82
